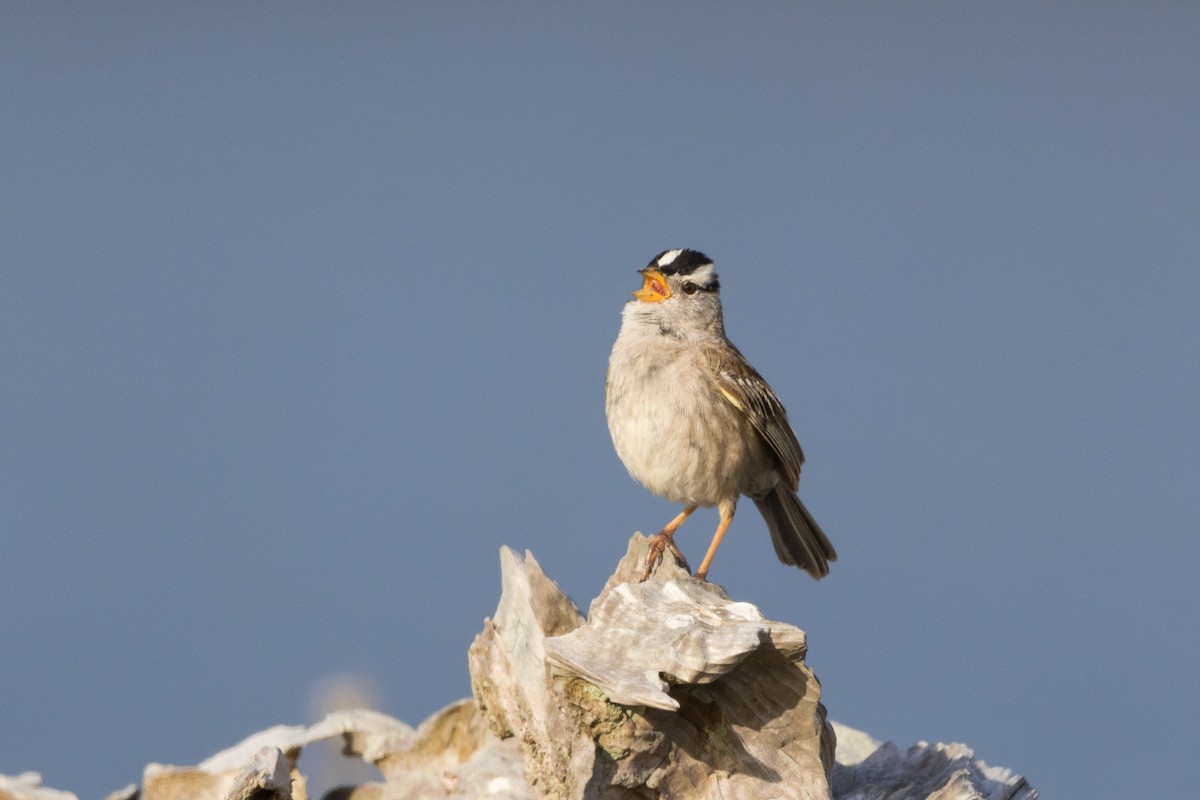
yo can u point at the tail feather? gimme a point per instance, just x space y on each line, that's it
797 537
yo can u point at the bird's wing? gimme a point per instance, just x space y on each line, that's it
745 390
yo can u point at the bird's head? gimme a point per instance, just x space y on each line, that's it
680 293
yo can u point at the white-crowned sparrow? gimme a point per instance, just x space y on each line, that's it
695 423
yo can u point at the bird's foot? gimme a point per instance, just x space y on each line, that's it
655 553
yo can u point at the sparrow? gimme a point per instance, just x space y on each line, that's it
694 423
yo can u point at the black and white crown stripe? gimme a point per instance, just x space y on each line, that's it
690 263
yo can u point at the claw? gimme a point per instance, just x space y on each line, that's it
653 557
655 553
679 559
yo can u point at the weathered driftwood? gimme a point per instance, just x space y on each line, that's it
669 689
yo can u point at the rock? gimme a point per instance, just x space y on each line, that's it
452 755
922 772
668 689
266 776
28 786
853 746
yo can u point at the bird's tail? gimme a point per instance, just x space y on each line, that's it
797 537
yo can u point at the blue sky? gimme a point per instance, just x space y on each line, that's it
306 311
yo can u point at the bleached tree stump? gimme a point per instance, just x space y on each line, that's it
668 689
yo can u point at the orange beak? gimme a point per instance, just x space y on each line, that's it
655 289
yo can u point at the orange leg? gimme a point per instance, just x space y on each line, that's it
723 526
665 539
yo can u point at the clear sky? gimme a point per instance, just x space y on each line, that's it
305 311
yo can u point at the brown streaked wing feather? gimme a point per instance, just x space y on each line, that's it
742 386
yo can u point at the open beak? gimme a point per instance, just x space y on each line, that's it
655 289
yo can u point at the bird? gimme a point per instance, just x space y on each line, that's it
694 423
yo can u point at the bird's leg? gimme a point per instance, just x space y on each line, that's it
665 539
722 526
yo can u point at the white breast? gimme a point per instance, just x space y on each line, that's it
671 428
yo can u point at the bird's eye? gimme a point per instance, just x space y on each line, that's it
690 288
